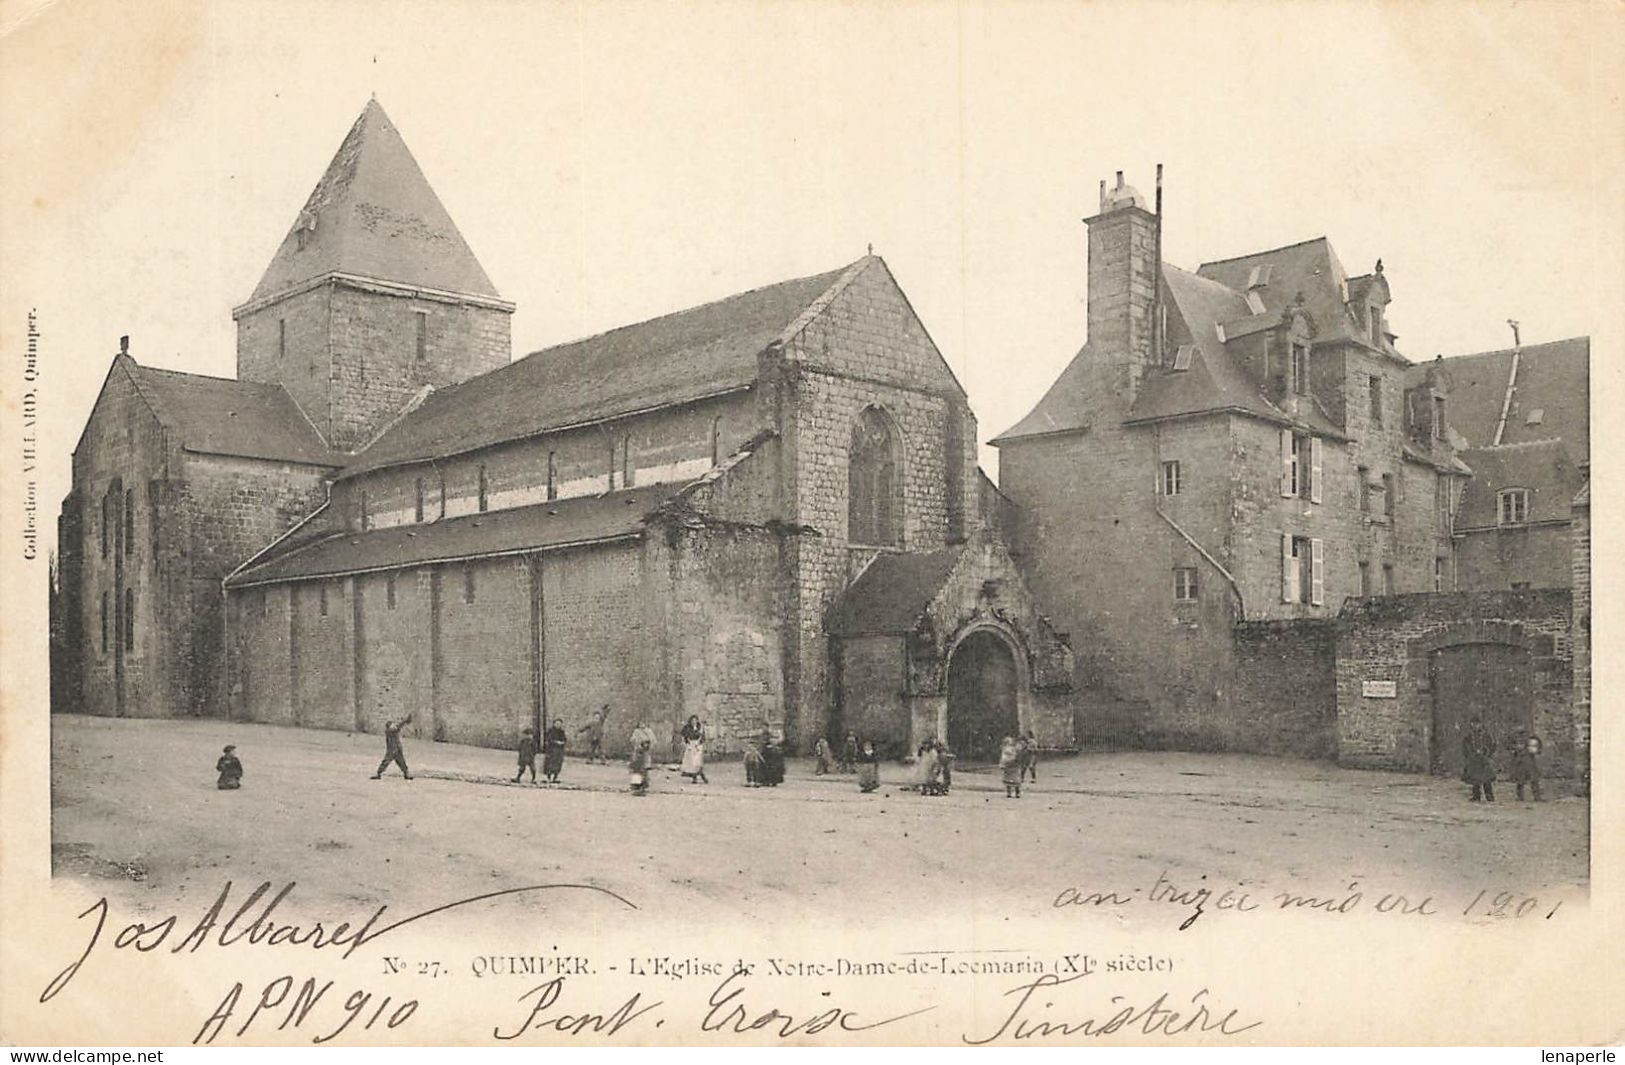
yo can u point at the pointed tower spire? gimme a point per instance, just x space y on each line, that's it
372 296
373 215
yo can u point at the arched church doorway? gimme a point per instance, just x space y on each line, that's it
982 685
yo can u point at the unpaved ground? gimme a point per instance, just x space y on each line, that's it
136 812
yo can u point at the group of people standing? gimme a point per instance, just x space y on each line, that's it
764 758
554 740
1478 762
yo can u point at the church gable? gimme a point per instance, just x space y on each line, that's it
868 329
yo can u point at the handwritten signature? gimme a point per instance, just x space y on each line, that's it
264 930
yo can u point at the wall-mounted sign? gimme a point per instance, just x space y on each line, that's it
1379 689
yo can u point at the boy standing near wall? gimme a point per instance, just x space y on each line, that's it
527 754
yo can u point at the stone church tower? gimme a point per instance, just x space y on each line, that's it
372 297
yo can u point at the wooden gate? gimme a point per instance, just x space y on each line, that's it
1488 679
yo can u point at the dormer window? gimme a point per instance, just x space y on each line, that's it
1255 302
1374 318
1512 506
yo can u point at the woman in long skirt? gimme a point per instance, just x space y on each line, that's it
694 750
553 744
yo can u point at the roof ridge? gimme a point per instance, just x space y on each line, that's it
207 377
441 394
668 314
1523 349
1557 440
818 306
1267 251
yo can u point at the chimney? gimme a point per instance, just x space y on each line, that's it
124 345
1123 278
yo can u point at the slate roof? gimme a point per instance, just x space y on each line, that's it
544 525
221 416
1542 466
892 593
665 361
1554 378
1062 407
373 214
1215 381
1310 267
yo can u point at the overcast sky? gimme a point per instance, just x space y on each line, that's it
610 163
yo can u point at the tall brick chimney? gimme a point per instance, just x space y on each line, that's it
1122 287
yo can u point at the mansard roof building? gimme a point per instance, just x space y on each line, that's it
1237 458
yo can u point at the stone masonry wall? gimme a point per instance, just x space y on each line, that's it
289 342
1538 556
726 634
122 470
376 365
1393 639
349 354
463 669
866 349
1286 686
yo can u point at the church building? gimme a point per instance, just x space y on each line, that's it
765 510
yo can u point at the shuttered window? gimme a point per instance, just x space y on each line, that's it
1317 572
1303 570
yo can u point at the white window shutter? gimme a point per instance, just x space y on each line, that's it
1317 571
1289 571
1286 462
1314 469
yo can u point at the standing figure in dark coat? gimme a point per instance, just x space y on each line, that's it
1526 766
553 744
392 748
527 754
868 768
772 772
231 771
1478 750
